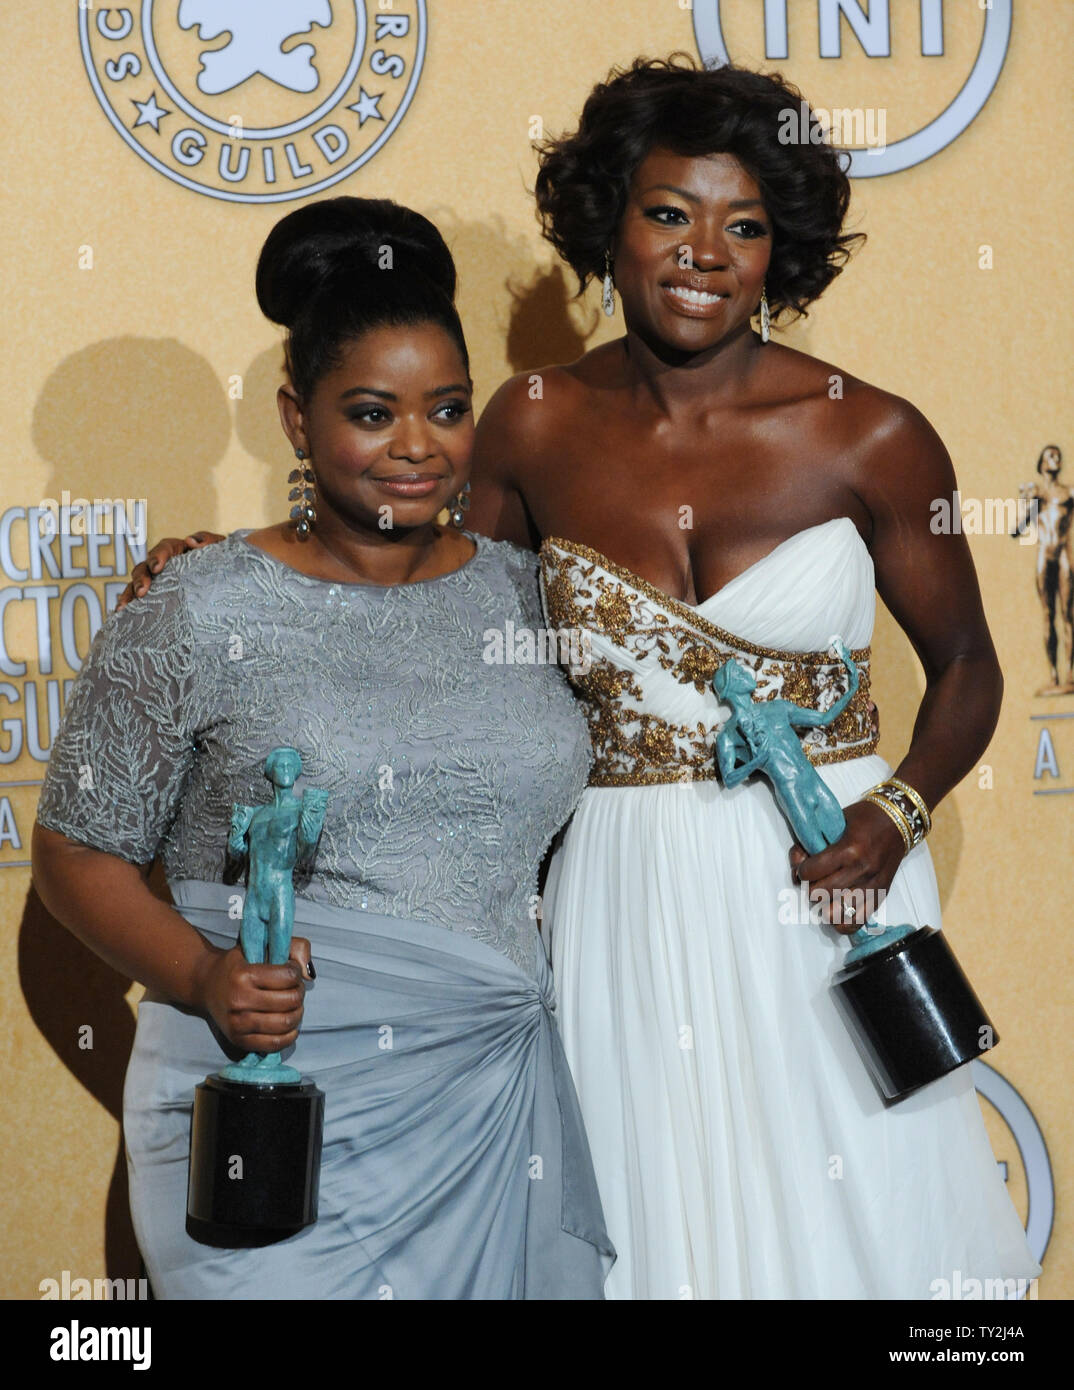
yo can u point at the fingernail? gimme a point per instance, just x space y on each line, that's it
310 970
154 565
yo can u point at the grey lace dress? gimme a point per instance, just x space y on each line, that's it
455 1164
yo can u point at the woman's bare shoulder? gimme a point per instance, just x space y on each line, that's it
602 366
554 379
525 415
867 420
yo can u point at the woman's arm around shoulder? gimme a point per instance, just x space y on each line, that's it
143 573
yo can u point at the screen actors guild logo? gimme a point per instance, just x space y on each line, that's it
254 101
255 43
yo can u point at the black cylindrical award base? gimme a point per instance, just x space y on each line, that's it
912 1013
255 1162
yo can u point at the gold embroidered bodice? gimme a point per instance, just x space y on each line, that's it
643 669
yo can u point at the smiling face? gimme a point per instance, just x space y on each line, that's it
712 206
391 426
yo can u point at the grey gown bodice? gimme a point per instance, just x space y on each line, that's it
448 772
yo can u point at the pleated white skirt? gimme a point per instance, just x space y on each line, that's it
740 1147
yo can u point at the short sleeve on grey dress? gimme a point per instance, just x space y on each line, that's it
119 766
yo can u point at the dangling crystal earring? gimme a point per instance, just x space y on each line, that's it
608 298
461 505
303 513
766 330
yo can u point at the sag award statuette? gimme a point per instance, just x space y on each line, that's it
255 1137
911 1011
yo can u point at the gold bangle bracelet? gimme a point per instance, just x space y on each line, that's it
910 806
896 816
918 800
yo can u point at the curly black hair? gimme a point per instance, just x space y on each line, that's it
584 178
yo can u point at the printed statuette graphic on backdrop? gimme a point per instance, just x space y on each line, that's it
254 101
1051 518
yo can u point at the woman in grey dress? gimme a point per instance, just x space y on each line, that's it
455 1164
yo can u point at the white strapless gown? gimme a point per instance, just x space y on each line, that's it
740 1148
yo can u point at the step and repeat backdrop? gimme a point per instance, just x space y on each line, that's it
151 145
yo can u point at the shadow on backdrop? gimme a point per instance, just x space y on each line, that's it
140 417
66 986
127 418
512 307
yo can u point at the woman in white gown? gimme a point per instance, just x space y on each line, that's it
740 1148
